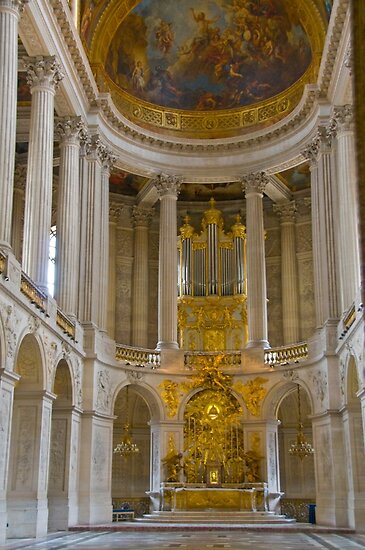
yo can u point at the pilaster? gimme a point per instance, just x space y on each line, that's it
289 272
141 220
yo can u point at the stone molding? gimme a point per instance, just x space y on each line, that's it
43 71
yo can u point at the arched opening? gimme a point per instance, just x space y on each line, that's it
131 470
29 452
63 467
353 427
297 475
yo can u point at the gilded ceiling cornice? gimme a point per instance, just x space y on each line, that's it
114 118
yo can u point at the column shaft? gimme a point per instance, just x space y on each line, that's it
9 17
254 185
43 75
68 212
168 188
347 228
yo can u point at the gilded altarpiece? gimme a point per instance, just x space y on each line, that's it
212 313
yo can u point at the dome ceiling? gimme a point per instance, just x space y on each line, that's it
211 68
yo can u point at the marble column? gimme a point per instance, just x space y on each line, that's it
289 272
18 210
254 185
68 213
347 226
43 75
141 219
168 188
9 17
324 216
94 247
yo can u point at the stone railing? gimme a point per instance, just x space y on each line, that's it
65 324
286 355
138 357
31 291
228 358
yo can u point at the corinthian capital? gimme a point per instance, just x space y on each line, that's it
344 116
69 129
286 211
98 150
167 185
142 216
43 71
13 4
254 183
321 142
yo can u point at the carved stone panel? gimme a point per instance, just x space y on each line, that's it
57 467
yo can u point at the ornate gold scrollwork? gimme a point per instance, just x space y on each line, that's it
253 393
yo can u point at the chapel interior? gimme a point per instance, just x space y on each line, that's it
181 283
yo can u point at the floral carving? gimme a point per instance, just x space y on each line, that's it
253 392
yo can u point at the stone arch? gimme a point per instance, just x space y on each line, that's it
297 476
30 363
278 392
353 425
150 395
138 406
352 381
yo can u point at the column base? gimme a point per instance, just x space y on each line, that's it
260 344
166 345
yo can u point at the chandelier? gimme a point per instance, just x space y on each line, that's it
301 448
126 447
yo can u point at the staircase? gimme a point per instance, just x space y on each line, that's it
214 517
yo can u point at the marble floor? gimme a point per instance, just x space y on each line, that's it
185 540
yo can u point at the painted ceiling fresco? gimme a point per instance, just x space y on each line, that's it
123 183
208 55
297 178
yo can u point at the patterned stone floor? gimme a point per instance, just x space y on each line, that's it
185 540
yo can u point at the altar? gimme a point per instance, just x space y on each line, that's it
202 497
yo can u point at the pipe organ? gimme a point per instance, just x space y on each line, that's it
212 312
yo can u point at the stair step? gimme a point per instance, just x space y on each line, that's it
214 516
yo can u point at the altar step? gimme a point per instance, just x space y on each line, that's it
216 516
